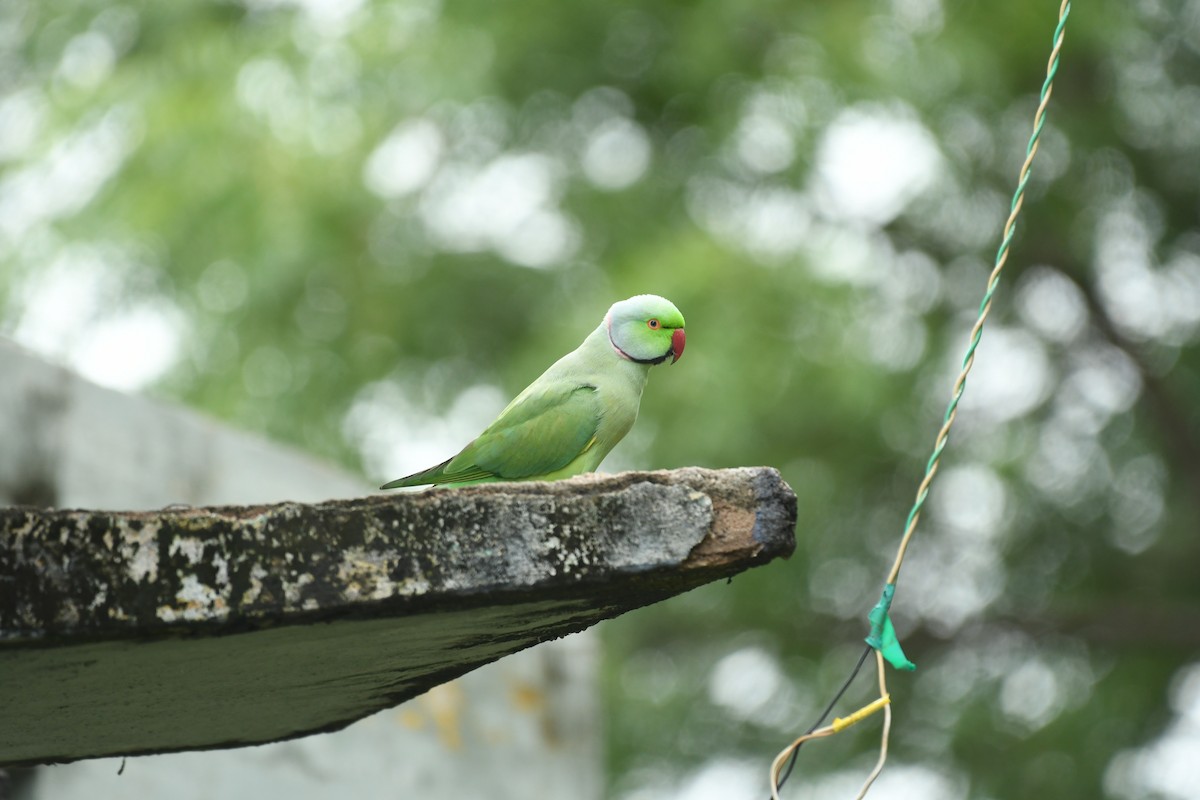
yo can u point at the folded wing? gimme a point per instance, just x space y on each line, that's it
540 433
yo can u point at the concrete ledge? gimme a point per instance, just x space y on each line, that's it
149 632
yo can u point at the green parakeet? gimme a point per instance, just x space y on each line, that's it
568 420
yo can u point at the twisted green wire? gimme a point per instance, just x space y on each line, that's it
882 637
985 305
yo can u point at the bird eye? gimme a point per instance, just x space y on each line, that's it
654 324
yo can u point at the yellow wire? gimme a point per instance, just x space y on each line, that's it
841 723
838 725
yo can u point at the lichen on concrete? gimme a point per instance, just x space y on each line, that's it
257 623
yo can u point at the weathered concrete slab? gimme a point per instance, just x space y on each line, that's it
68 443
142 632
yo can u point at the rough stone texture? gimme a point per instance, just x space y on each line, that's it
213 627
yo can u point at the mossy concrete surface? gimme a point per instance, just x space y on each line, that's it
191 628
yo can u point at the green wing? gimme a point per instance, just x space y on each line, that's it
540 433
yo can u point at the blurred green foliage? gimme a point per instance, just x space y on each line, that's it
309 201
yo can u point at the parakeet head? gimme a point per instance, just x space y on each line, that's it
647 329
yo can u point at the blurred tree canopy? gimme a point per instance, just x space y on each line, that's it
361 226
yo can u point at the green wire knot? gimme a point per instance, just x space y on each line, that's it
883 634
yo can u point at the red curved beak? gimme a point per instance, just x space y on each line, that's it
678 340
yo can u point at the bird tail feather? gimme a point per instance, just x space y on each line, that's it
421 478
